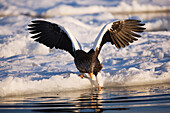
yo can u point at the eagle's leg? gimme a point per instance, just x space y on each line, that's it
99 87
91 76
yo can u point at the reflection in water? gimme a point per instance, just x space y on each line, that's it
109 99
87 102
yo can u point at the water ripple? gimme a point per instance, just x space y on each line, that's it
107 100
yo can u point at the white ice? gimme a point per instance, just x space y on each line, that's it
28 67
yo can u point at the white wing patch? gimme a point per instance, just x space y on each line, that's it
100 36
74 41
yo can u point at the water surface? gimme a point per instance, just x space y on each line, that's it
150 98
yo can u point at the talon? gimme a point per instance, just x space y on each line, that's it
91 75
81 76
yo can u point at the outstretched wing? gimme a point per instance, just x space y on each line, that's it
120 33
53 35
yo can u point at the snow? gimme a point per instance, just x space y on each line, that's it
72 7
28 67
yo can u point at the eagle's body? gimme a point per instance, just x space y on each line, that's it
87 62
118 33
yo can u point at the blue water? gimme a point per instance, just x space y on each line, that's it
140 99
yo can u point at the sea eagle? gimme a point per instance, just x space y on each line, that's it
118 33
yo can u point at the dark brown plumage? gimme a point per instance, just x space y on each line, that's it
87 62
119 33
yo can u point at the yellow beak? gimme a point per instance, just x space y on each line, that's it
91 75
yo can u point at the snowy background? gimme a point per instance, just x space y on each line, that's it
28 67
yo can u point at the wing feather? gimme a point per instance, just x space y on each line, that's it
124 41
53 35
114 39
120 33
